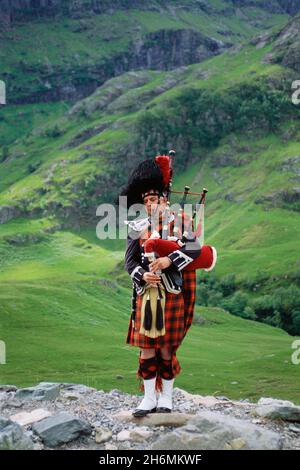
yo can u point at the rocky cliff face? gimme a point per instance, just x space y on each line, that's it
160 50
275 6
76 76
290 6
286 50
16 10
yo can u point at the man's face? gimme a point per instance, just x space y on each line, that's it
154 204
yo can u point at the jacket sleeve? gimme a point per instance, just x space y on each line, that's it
189 251
133 261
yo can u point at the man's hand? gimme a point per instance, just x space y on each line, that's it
160 263
151 278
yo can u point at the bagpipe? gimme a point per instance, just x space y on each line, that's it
183 234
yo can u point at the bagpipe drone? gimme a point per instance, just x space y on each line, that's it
166 244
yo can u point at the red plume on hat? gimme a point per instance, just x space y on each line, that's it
164 163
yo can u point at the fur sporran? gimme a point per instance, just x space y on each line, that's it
153 311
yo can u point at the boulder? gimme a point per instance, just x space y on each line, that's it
12 437
24 418
210 430
60 429
42 391
271 408
103 435
155 419
8 388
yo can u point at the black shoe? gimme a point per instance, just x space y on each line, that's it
162 409
139 413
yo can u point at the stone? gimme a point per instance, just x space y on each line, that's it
209 401
103 435
236 444
274 401
12 437
34 416
42 391
72 396
8 388
135 435
199 399
12 403
271 408
211 430
123 435
295 429
77 388
256 421
140 434
109 446
61 428
155 419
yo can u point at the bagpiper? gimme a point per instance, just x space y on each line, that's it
164 288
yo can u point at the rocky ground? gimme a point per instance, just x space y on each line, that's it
73 416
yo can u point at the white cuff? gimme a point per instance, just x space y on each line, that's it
179 259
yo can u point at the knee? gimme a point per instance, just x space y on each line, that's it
147 353
166 353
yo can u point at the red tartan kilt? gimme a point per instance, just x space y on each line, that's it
179 311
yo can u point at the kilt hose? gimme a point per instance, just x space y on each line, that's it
179 312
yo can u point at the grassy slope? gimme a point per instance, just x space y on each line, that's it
64 325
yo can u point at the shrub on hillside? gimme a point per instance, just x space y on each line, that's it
5 154
281 308
201 118
53 132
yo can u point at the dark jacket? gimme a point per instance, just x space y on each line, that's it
136 264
